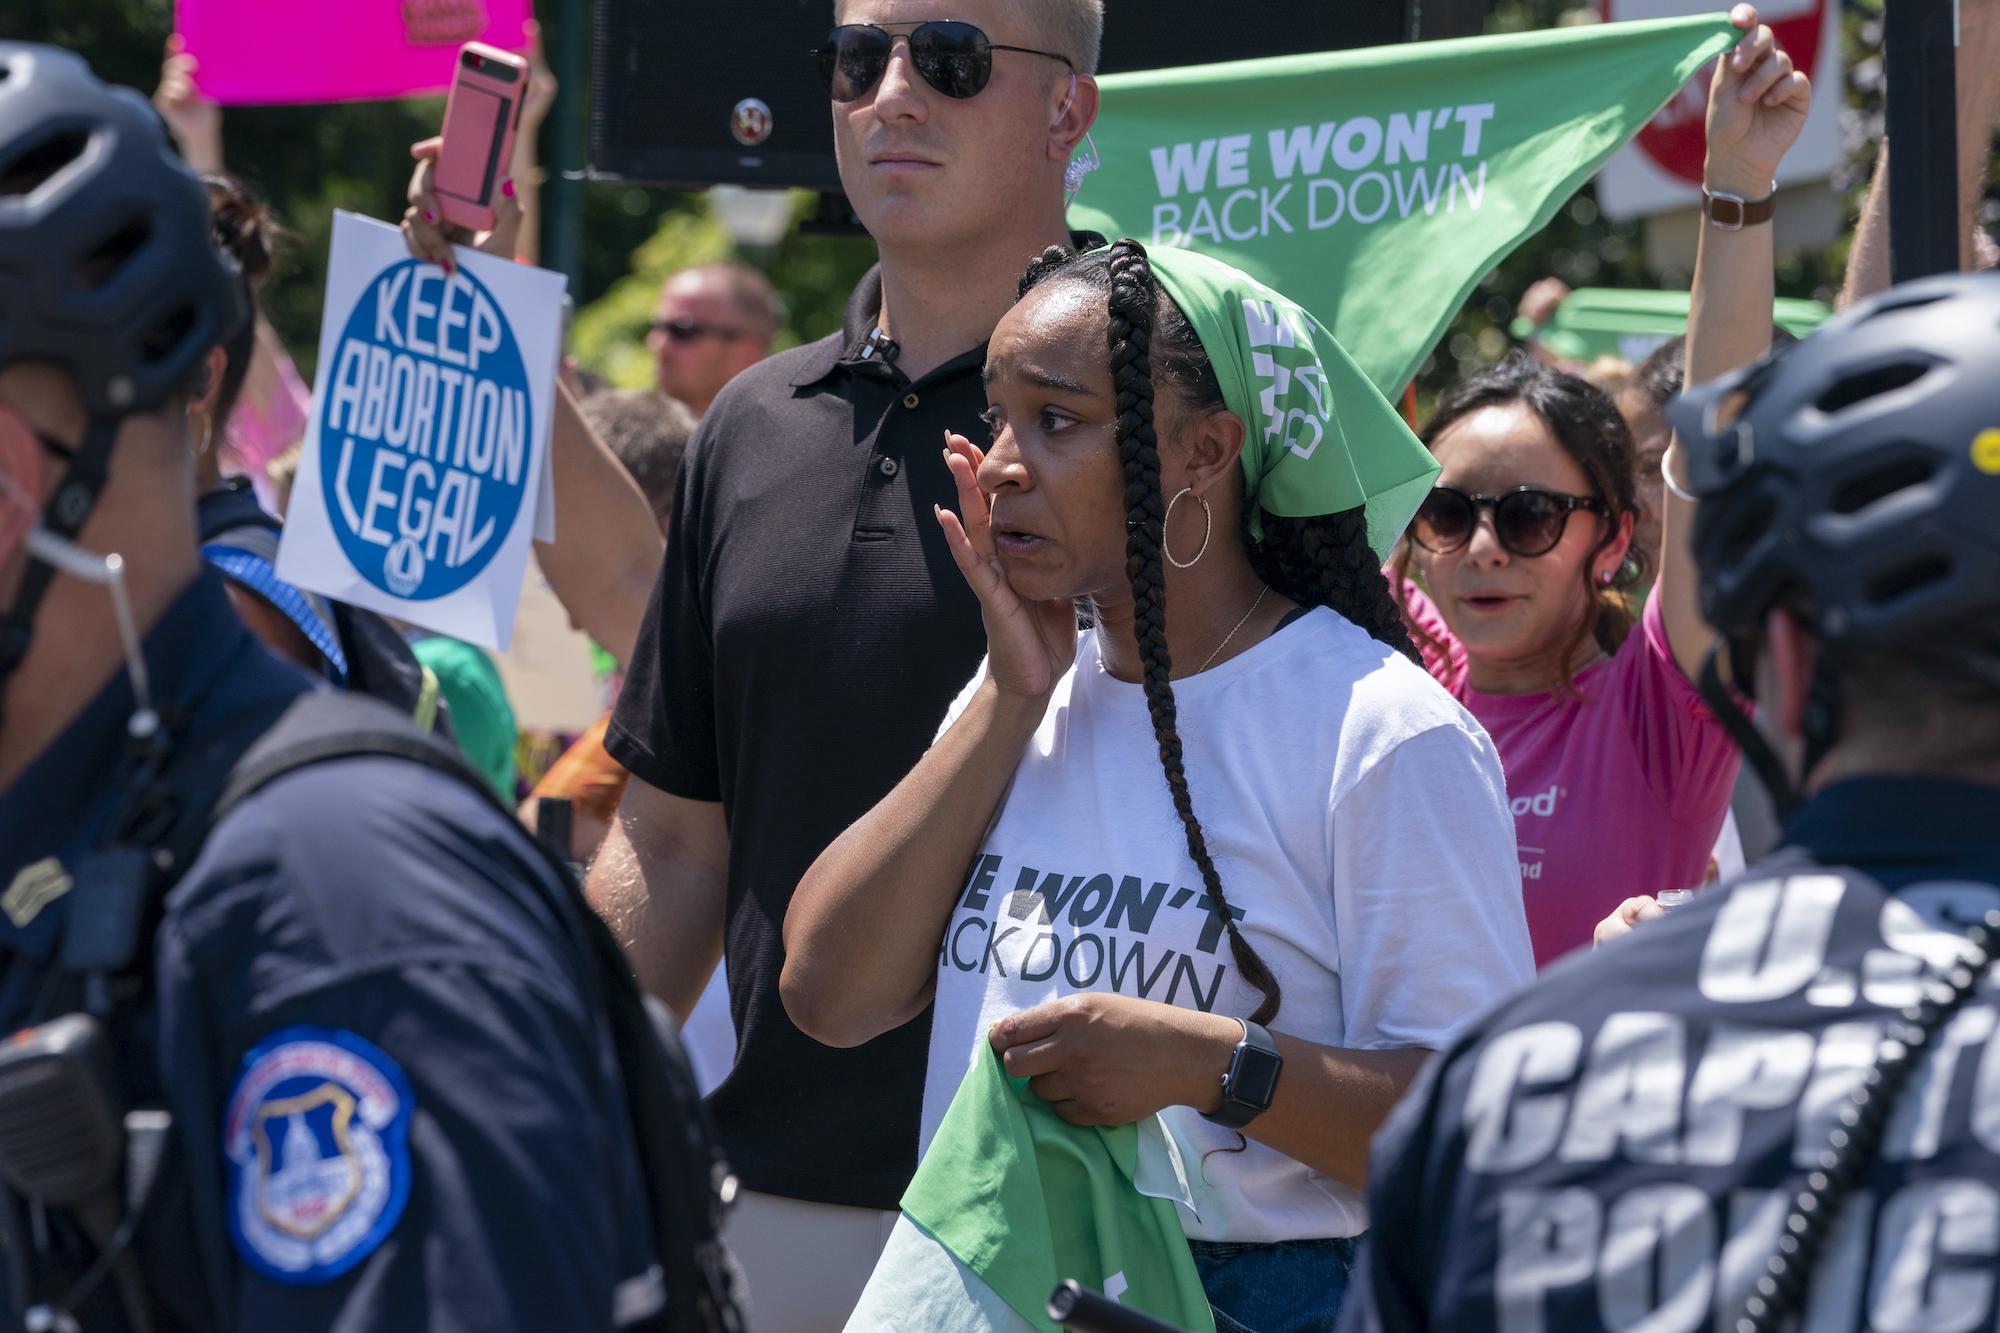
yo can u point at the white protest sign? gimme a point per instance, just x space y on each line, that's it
425 471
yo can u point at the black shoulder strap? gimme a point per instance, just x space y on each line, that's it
686 1177
326 725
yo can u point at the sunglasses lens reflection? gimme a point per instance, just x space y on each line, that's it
954 58
851 61
1444 521
1529 522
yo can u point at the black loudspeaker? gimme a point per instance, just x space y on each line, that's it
692 95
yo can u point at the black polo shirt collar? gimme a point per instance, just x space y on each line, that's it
1904 829
864 309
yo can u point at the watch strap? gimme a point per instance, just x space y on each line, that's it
1257 1047
1732 212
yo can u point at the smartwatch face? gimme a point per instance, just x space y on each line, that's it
1256 1076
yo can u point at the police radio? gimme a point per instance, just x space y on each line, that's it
63 1140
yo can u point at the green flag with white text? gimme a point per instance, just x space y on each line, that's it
1376 187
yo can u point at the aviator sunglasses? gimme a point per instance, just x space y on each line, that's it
955 58
1528 520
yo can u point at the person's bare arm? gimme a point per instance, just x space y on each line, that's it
861 934
661 883
1868 253
1756 107
526 168
608 548
1977 72
193 120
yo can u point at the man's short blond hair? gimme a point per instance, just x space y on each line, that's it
1072 28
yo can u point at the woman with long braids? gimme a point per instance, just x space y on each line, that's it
1233 803
1619 775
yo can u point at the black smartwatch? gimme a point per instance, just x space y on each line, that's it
1252 1079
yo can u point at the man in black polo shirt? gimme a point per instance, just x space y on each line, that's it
1779 1106
809 627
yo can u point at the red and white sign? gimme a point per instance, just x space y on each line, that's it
1660 170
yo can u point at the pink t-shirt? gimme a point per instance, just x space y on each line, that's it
1617 793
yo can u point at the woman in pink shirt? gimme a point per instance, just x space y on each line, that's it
1618 774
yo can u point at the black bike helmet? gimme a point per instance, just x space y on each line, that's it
1860 467
107 268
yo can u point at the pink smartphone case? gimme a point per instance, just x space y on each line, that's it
479 121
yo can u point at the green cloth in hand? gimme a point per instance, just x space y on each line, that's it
1025 1199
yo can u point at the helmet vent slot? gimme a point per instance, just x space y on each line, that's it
102 264
1906 579
1857 493
1896 304
1746 531
26 172
1871 384
161 340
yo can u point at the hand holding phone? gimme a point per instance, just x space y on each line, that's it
480 117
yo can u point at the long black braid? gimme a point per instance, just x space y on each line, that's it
1319 561
1132 306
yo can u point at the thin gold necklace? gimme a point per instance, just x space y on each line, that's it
1232 633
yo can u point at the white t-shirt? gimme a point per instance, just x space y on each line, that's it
1359 821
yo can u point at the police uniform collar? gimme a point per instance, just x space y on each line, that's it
864 307
59 800
1929 825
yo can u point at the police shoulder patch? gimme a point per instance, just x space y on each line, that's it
316 1141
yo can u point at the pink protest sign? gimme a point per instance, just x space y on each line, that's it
255 52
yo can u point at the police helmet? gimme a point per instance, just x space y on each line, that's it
1861 466
107 265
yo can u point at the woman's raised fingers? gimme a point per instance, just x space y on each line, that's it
983 576
1774 66
423 226
1751 53
424 238
973 506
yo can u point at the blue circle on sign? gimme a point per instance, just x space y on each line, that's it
425 430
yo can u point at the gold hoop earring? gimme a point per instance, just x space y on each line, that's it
1207 532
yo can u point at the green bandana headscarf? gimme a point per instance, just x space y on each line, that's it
1321 437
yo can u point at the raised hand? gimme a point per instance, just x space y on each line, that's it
1757 105
427 233
193 120
1029 644
541 84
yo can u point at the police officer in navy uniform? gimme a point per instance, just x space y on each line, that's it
367 1009
1780 1102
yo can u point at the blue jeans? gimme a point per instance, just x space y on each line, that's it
1293 1286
